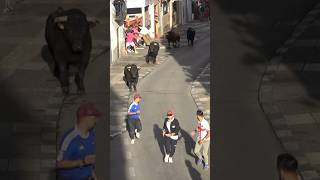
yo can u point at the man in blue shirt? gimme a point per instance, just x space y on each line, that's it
76 157
134 122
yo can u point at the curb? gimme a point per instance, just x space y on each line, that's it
276 119
195 85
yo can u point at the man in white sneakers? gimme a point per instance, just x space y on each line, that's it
203 140
170 132
134 122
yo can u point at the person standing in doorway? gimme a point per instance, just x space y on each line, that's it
76 156
203 140
170 132
134 121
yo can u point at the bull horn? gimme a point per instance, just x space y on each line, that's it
60 19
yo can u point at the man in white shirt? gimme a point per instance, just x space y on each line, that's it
203 139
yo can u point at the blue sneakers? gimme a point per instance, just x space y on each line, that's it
199 162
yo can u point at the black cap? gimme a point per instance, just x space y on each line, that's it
199 112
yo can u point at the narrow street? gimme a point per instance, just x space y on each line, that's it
167 87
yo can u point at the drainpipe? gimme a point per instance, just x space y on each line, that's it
152 24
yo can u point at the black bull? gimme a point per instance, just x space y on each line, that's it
131 76
153 52
173 37
190 35
69 41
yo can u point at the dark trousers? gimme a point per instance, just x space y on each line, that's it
134 124
190 40
170 145
73 178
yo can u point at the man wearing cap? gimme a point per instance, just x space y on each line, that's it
287 166
134 122
76 157
170 133
203 139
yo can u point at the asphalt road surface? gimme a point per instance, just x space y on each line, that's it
166 88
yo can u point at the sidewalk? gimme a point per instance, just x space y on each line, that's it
201 91
290 94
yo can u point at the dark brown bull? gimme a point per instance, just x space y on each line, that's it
173 37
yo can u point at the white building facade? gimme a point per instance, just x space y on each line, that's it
117 37
144 8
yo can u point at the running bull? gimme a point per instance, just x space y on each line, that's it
173 37
190 35
69 41
131 76
152 52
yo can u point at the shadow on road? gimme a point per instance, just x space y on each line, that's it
118 161
157 131
195 175
261 31
189 143
202 33
47 57
19 134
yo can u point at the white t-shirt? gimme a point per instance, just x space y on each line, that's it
144 31
175 137
202 128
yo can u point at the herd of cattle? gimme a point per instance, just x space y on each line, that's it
69 41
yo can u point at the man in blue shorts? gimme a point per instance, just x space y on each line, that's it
134 122
76 157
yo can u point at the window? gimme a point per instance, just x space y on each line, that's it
134 11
